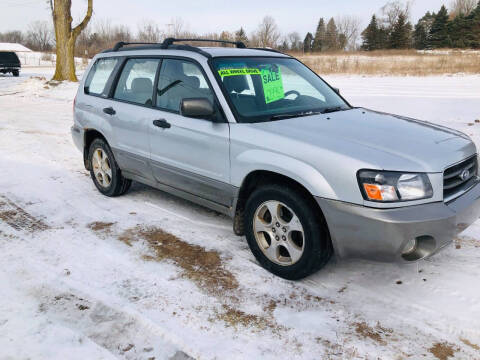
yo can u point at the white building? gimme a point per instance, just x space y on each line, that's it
18 48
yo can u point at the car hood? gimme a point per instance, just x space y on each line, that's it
380 140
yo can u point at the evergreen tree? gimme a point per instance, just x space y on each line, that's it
422 30
307 43
331 36
458 30
240 35
319 40
370 35
472 36
439 37
420 36
400 37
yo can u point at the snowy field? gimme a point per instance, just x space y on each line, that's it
149 276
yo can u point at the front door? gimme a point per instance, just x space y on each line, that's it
189 154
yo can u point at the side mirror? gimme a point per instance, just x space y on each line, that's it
200 108
337 90
86 90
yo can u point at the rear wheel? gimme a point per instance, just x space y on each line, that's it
286 232
104 170
16 73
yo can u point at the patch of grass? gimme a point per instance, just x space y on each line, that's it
472 345
99 226
235 318
203 267
377 334
394 62
442 351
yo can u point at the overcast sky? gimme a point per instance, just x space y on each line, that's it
203 16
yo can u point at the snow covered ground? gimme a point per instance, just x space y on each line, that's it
149 276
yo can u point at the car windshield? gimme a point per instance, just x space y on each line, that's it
270 88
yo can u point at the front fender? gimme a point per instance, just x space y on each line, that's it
257 159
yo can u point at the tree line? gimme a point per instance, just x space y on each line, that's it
459 28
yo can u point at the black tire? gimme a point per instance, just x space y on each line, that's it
118 185
16 73
317 243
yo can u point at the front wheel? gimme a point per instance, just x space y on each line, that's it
286 232
16 73
105 173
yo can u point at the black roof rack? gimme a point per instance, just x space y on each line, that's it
168 43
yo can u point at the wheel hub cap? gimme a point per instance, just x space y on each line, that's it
279 233
101 168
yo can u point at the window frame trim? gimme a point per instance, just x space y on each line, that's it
124 59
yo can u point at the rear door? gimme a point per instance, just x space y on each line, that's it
189 154
131 113
94 97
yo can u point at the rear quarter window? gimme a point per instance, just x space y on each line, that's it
98 76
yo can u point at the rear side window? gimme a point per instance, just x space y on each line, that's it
136 81
98 76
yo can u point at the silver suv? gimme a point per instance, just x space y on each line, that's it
255 134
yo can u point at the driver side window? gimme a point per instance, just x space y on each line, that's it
180 79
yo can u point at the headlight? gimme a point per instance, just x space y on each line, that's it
390 186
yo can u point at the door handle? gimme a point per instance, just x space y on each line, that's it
162 123
109 111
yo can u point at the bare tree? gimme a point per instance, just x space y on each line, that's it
84 41
176 28
349 26
40 36
121 33
463 7
254 39
148 31
267 33
295 41
392 10
66 37
14 36
103 29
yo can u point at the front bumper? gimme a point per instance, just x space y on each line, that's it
383 234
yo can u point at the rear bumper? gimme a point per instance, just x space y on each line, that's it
9 68
383 234
77 136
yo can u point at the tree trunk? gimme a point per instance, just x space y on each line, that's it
66 37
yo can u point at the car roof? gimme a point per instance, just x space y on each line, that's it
123 49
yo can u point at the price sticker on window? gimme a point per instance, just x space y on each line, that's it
238 72
272 84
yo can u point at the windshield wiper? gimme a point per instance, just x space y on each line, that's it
290 116
333 109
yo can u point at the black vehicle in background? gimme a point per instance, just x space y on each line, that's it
9 63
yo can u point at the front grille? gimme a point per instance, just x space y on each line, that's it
459 177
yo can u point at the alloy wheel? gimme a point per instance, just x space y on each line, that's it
279 233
